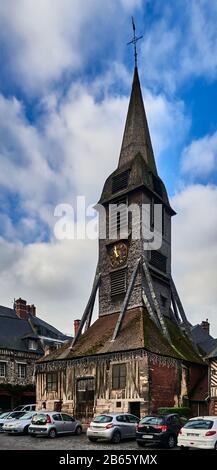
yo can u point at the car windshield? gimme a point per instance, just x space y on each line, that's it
27 416
152 420
199 424
16 414
19 408
102 419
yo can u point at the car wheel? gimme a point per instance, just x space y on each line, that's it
25 431
52 433
215 446
171 442
92 439
78 431
116 437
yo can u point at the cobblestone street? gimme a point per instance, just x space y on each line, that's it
70 442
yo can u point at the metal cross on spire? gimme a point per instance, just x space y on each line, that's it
134 41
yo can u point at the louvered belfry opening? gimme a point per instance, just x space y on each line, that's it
120 181
118 282
118 220
158 260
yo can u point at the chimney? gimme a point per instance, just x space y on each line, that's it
31 309
21 309
76 326
205 325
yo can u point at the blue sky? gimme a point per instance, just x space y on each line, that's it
65 81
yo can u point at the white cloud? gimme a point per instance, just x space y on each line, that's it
180 44
166 119
195 251
71 148
46 38
56 277
200 157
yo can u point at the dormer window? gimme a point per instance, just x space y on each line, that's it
33 345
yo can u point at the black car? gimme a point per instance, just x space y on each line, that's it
159 429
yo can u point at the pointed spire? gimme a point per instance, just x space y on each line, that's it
136 134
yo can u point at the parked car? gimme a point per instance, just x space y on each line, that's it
19 426
112 427
199 432
159 429
53 423
30 407
10 417
3 414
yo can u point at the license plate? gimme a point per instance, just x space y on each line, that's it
192 434
147 436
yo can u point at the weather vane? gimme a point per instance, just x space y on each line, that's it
134 41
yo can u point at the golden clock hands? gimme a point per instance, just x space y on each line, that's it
116 252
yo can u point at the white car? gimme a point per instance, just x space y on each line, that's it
19 426
10 417
29 407
200 433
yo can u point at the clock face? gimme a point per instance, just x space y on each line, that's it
118 254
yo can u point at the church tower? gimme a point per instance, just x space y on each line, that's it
134 265
135 182
139 354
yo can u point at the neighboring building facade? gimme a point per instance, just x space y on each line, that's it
139 354
23 339
213 382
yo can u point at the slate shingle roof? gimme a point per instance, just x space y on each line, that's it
213 353
203 339
14 332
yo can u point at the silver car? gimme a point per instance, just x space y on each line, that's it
19 426
9 417
29 407
53 423
113 427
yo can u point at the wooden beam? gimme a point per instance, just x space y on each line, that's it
148 301
149 309
126 301
182 313
178 302
175 310
155 301
89 307
89 317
